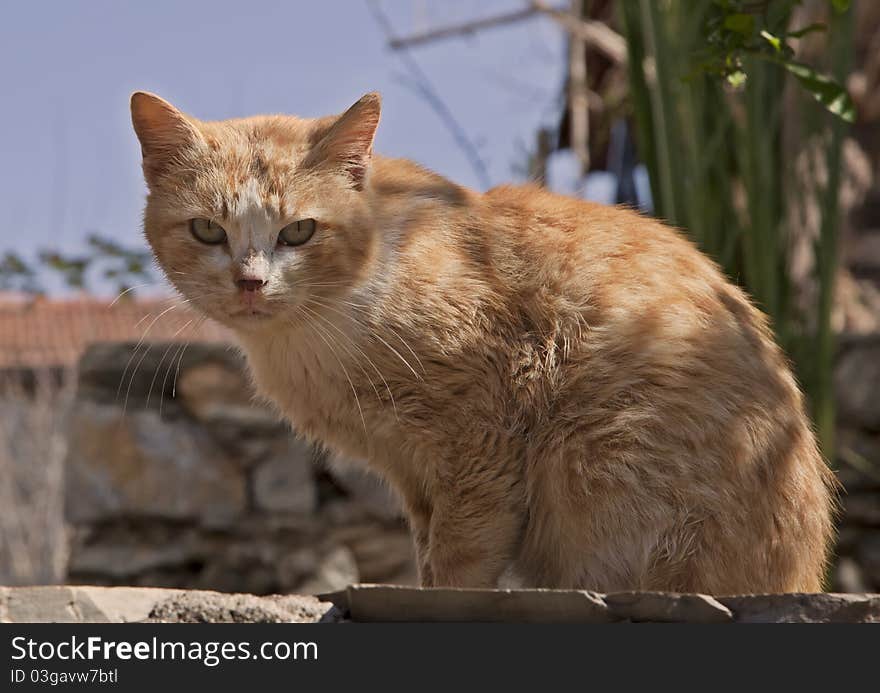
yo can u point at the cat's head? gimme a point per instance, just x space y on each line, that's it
253 219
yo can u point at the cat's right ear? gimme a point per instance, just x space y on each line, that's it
161 128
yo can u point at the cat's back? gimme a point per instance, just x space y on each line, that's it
641 307
624 272
570 235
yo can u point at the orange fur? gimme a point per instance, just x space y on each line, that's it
563 391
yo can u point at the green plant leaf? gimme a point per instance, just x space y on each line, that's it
824 89
840 5
774 41
740 23
809 29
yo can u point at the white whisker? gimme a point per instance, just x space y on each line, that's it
165 378
347 377
177 370
131 288
374 334
364 354
138 346
159 366
365 310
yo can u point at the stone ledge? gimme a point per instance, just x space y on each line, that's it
86 604
390 603
386 603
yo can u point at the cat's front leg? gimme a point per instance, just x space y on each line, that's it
423 557
476 528
419 515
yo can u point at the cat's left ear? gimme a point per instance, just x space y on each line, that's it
349 141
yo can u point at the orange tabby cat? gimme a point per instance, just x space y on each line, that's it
561 391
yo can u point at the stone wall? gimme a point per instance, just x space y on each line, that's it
191 484
175 477
857 384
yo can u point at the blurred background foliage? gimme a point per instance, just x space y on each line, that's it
104 263
726 110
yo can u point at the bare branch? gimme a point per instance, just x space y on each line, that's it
423 86
578 92
465 28
595 34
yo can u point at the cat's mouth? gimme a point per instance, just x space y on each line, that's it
250 313
250 306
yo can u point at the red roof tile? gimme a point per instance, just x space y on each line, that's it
39 332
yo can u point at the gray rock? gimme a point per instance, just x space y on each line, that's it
138 465
144 375
658 607
219 392
363 487
335 571
848 576
848 538
868 554
297 567
78 604
384 603
120 561
389 604
383 552
214 607
139 604
804 608
284 482
862 509
857 383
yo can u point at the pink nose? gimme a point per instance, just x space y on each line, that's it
250 284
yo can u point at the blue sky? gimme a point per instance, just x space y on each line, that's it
71 162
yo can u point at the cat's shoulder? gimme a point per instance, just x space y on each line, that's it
393 177
544 207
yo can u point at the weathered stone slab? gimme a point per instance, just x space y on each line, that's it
385 603
805 608
389 603
61 604
371 603
661 607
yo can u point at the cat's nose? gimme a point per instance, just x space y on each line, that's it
249 284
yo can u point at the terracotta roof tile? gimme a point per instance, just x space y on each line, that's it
39 332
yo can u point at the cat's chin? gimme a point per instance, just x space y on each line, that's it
248 318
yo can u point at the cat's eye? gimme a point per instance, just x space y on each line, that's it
297 233
207 231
